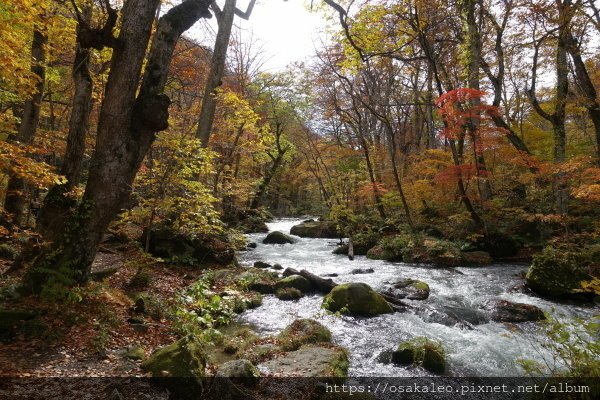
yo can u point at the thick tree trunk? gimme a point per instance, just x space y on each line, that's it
126 129
215 76
16 196
57 207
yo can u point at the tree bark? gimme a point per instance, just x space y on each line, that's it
16 197
57 207
127 127
215 76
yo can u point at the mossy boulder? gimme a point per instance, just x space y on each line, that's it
296 282
277 237
315 229
381 253
238 369
135 352
311 361
559 272
301 332
411 289
356 299
184 358
477 258
421 352
288 294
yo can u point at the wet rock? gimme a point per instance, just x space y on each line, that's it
301 332
464 314
184 358
309 361
422 352
506 311
296 282
358 271
356 299
477 258
288 294
333 275
315 229
262 264
251 245
411 289
277 267
343 249
277 237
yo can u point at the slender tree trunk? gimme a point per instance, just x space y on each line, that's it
57 207
127 127
215 76
16 192
376 194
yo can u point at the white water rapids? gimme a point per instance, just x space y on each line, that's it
490 349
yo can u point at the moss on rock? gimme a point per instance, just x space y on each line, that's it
277 237
356 299
288 294
301 332
296 282
422 352
184 358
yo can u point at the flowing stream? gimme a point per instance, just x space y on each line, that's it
486 349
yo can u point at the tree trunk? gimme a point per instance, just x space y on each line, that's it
16 196
376 195
126 129
215 76
57 207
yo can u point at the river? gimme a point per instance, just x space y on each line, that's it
486 349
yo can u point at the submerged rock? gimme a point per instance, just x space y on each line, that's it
315 229
411 289
506 311
308 362
422 352
301 332
356 299
277 237
358 271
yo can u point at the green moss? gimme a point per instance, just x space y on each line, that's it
423 352
301 332
357 299
7 251
296 282
288 294
183 358
558 272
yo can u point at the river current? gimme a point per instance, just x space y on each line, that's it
483 349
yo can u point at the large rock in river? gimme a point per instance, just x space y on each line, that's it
277 237
295 281
309 362
411 289
356 299
422 352
506 311
315 229
301 332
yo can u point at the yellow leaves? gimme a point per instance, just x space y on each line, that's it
16 160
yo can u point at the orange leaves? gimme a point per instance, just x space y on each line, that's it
17 160
462 109
451 174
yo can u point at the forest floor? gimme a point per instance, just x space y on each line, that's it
91 336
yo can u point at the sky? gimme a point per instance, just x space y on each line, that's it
286 30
